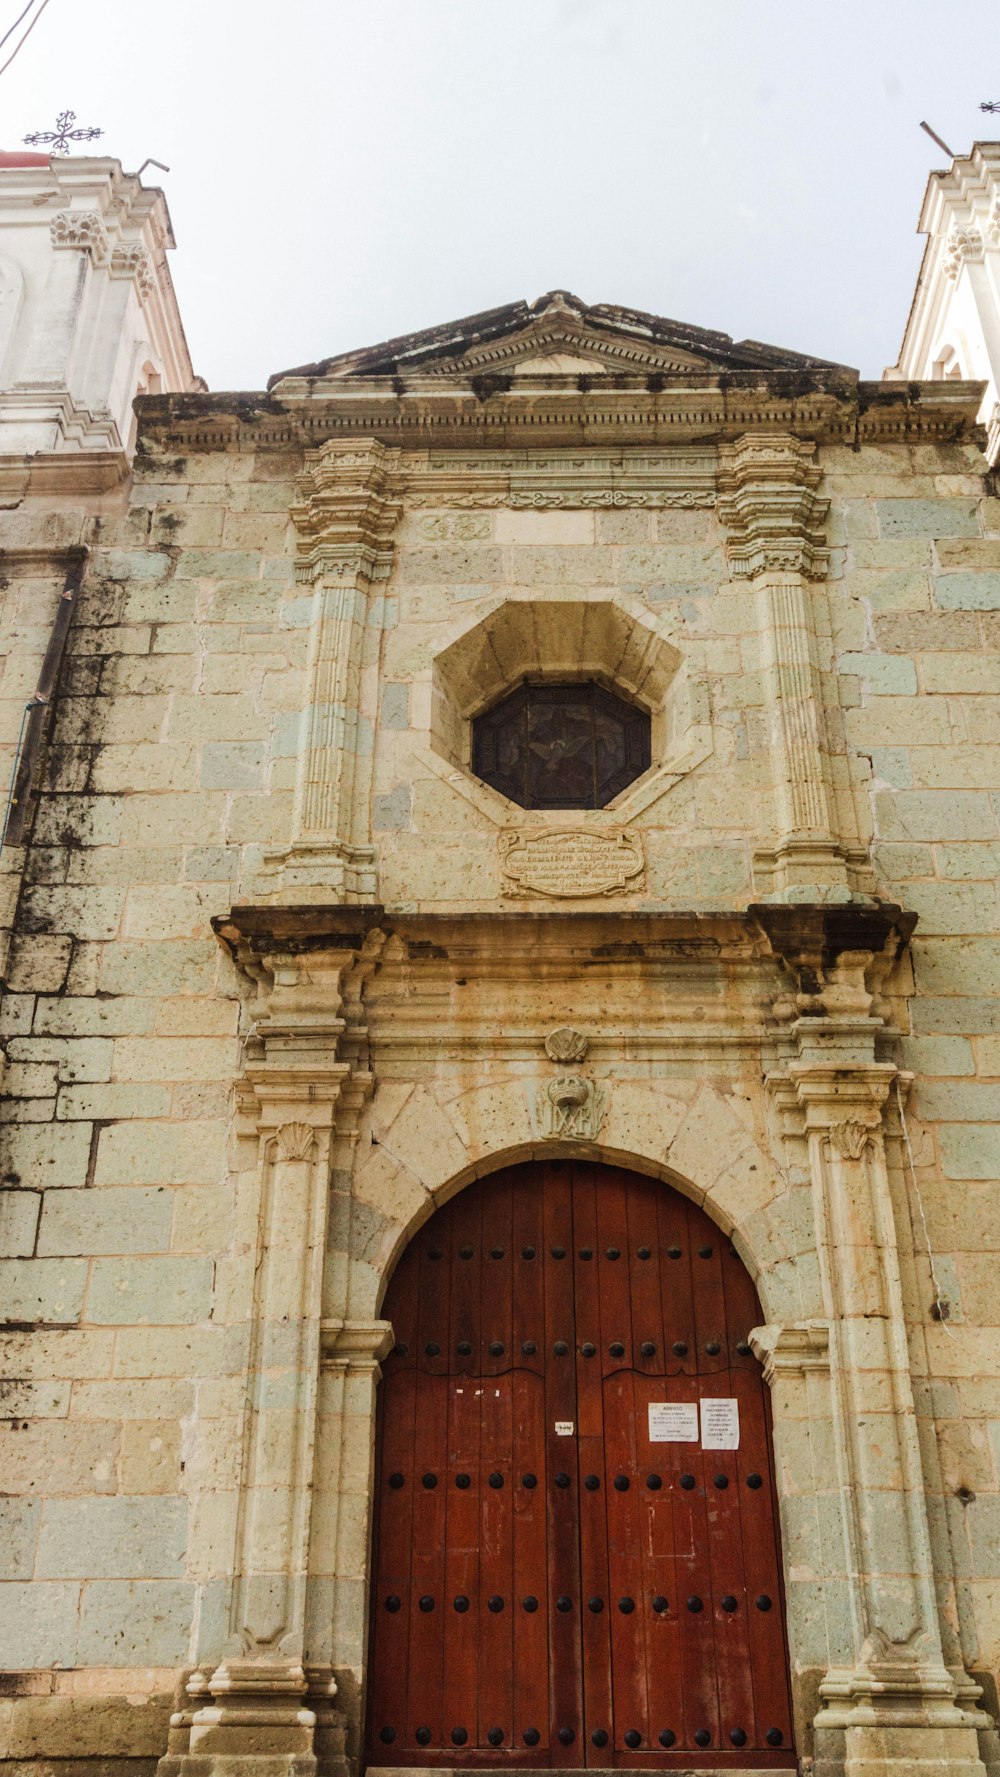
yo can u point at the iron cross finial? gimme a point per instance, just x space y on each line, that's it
63 134
990 105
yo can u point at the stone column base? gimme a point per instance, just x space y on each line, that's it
256 1725
885 1749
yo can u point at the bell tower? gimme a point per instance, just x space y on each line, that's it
88 314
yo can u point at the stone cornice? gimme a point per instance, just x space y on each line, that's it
420 414
347 509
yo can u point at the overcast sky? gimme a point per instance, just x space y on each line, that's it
346 170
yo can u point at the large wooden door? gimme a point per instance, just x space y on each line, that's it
553 1586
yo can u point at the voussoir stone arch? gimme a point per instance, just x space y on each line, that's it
423 1143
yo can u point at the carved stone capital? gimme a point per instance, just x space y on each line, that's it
131 260
354 1344
794 1349
843 1101
963 246
82 229
348 506
774 518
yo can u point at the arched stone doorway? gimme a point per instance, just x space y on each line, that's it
570 1567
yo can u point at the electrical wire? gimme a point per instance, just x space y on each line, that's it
17 21
940 1302
23 40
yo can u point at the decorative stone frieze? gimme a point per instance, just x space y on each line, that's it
681 479
82 229
768 502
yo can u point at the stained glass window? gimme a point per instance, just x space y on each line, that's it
561 746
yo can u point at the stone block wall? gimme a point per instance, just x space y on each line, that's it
128 1183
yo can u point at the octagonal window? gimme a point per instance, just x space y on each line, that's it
561 746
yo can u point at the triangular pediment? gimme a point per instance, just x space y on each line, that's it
560 337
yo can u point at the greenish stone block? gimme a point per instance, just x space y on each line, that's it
970 1150
120 1220
38 1625
942 1055
958 1101
954 907
117 1538
892 766
149 1292
887 675
391 813
967 966
232 765
396 704
218 564
927 518
18 1223
18 1535
975 1017
936 814
42 1289
967 592
137 1623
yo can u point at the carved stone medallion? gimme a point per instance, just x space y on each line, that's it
570 862
565 1044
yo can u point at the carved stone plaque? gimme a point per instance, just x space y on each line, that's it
570 862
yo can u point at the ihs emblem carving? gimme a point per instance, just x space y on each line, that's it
570 1106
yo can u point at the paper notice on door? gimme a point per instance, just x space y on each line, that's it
564 1428
673 1422
720 1424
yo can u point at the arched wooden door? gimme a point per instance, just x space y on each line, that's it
565 1575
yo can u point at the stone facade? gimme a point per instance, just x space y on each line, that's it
280 972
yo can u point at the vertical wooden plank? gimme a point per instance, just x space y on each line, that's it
496 1568
596 1626
761 1544
706 1242
731 1651
565 1661
430 1486
644 1266
390 1607
529 1478
460 1603
625 1575
680 1341
664 1623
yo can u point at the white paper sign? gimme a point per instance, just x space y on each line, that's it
720 1424
564 1428
673 1422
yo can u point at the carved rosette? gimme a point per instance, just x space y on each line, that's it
82 229
347 510
774 518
